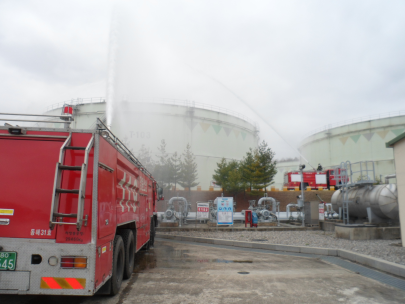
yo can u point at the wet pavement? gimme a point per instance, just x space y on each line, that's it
178 272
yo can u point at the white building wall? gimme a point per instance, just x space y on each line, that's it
399 154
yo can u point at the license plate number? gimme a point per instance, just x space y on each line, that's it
7 260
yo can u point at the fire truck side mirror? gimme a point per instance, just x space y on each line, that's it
160 194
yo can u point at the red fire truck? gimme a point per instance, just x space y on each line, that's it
75 207
313 179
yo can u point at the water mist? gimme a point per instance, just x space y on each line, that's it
112 51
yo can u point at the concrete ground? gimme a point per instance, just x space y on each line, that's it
176 272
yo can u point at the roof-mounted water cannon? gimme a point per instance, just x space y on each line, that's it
67 109
67 114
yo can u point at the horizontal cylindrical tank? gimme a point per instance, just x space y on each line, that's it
382 200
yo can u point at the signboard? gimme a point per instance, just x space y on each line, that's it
203 210
225 210
321 211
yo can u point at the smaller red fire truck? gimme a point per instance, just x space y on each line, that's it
313 179
75 207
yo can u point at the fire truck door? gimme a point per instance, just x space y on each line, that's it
106 220
144 218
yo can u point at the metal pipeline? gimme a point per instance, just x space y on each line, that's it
174 199
266 198
388 177
288 209
329 208
185 204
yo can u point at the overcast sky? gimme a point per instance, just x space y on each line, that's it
301 64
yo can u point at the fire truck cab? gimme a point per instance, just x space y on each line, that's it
75 207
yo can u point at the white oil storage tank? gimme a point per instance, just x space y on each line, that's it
212 132
381 199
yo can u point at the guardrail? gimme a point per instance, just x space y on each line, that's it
355 120
75 101
168 101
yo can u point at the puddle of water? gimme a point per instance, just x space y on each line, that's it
167 257
145 260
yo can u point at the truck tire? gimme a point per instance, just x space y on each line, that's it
129 246
118 265
152 232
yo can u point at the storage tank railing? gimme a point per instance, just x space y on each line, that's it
168 101
355 120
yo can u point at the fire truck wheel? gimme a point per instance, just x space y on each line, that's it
129 245
152 232
118 265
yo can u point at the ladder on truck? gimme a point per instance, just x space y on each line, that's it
56 217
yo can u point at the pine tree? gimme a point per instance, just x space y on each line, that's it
259 168
235 184
267 163
256 170
188 170
174 169
162 168
229 177
247 168
145 157
221 173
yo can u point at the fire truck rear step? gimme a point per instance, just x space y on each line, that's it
57 190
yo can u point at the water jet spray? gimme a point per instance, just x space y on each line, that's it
253 110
